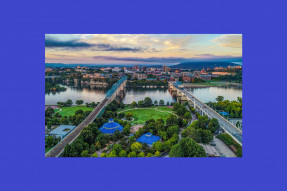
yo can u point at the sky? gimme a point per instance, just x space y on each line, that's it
144 49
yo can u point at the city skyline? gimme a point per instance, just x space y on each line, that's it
144 49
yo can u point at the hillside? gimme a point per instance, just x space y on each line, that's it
200 65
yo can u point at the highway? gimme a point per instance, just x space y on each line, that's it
229 128
59 148
225 124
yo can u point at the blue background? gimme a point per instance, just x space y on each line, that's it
23 25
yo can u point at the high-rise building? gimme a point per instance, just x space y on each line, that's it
163 68
136 67
167 69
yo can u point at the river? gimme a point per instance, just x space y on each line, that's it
89 94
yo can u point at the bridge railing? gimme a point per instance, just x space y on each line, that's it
74 129
208 107
114 88
215 112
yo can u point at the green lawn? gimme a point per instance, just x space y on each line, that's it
68 111
47 149
164 108
141 115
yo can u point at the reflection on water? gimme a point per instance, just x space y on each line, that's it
86 93
210 93
137 94
97 94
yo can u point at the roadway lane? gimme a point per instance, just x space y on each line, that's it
225 124
59 148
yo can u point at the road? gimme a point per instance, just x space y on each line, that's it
59 148
225 124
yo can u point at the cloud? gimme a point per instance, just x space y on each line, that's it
230 40
75 44
52 43
204 57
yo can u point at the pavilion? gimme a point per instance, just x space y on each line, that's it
148 138
110 127
224 113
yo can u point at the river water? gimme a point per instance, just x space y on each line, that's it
89 94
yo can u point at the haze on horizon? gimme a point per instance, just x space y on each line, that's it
144 49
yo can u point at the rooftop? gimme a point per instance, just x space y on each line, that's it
62 130
110 127
148 138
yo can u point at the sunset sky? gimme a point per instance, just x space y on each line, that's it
140 48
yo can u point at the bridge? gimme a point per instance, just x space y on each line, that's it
116 90
183 96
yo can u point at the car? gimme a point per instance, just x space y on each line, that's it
212 144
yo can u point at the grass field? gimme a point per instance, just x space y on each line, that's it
141 115
68 111
47 149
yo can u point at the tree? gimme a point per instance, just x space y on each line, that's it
132 154
239 99
190 148
187 116
202 122
132 139
129 116
149 155
167 103
157 154
171 130
85 153
206 136
238 124
117 148
79 102
171 120
141 103
147 101
134 104
49 112
110 114
136 147
176 151
69 102
79 111
123 153
213 125
103 155
158 146
112 154
95 155
219 98
64 121
93 104
155 102
126 130
121 115
141 154
161 102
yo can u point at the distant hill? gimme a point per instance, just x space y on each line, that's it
200 65
59 65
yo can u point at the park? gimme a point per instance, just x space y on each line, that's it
141 115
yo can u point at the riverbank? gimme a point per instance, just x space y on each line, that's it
211 84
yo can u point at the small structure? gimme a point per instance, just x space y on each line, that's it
224 113
148 138
62 131
210 150
110 127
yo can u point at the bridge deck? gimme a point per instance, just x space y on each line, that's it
225 124
59 148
